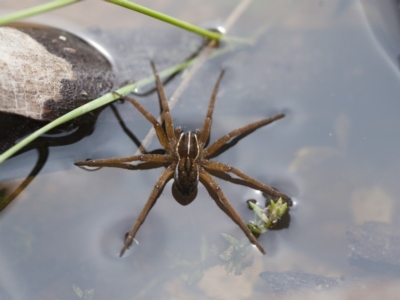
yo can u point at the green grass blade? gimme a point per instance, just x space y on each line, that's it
35 10
168 19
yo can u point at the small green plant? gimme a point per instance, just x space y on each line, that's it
266 218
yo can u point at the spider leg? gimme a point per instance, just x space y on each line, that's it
115 165
141 157
215 197
155 193
157 126
229 208
121 162
217 166
205 130
169 124
242 130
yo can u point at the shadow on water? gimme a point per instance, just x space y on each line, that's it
42 158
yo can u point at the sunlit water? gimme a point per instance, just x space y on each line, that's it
331 67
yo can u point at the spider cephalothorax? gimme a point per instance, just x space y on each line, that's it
186 160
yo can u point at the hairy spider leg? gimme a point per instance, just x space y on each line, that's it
120 162
166 114
242 130
217 166
157 126
155 193
231 212
206 128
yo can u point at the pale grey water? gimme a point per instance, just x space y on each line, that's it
331 66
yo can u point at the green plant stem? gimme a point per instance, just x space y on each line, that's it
103 100
163 17
35 10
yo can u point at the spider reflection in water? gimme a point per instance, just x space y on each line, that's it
186 161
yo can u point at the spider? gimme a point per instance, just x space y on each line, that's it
186 161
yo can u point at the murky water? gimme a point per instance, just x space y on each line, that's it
330 66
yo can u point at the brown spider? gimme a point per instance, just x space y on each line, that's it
186 161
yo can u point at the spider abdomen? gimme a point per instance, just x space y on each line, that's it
187 171
186 177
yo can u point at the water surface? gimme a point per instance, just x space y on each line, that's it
330 66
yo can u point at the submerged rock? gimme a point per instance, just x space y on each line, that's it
375 247
294 281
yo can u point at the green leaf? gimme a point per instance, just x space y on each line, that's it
261 213
281 208
268 216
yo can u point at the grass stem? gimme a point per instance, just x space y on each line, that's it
168 19
35 10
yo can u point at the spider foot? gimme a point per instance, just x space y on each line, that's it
128 243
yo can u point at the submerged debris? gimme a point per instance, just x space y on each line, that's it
293 281
375 246
235 256
87 294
